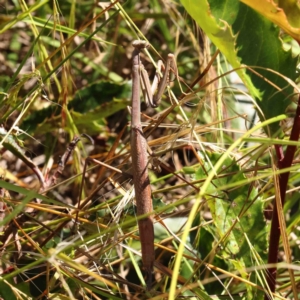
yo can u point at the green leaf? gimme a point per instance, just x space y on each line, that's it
245 37
6 291
219 30
238 218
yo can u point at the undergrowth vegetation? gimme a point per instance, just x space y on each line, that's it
223 156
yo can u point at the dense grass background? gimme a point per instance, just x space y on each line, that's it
66 71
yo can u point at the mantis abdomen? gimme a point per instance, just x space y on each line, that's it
143 198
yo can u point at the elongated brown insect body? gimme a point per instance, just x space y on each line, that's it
140 169
143 196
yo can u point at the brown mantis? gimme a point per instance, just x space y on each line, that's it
139 151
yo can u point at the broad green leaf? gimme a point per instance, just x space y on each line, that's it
216 19
247 38
238 218
6 291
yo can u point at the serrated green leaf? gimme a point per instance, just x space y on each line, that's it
219 30
245 37
259 45
238 218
